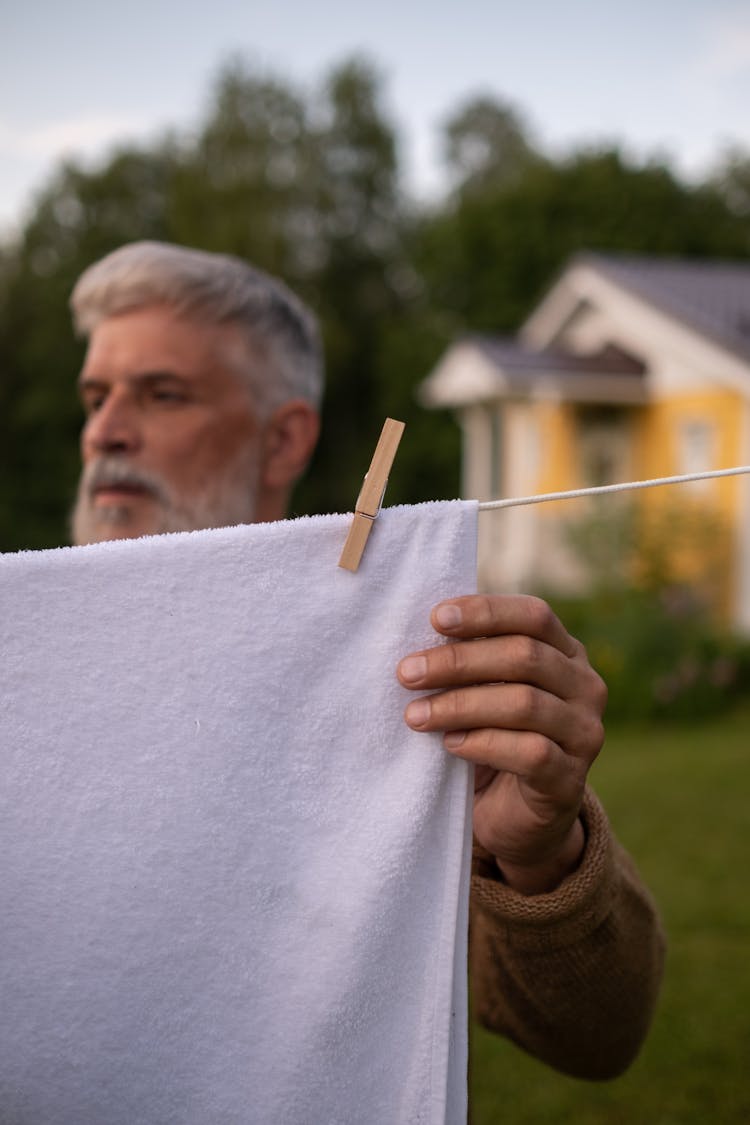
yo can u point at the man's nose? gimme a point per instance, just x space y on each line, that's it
113 427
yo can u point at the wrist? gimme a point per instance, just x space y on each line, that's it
545 875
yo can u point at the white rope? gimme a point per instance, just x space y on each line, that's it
600 490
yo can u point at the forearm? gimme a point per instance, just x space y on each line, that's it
572 976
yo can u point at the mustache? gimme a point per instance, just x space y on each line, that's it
111 471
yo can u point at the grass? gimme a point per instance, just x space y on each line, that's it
678 798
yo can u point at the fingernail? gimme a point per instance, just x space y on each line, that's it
418 712
454 739
413 668
448 616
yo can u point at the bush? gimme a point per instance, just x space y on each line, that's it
659 654
651 622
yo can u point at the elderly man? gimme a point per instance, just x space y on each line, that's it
201 385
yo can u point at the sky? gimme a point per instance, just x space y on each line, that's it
662 78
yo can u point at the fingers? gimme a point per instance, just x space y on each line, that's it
514 639
515 694
542 760
488 615
477 719
512 667
515 658
518 706
528 755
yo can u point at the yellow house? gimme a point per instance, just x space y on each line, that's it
629 368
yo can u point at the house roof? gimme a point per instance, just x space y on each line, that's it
713 297
480 368
512 356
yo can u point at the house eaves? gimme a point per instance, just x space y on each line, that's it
487 369
711 297
465 375
700 308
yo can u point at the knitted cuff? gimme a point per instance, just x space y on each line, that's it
564 915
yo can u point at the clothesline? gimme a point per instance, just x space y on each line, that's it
601 490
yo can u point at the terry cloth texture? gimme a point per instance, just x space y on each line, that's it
234 884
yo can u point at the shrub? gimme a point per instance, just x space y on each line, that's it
651 621
659 654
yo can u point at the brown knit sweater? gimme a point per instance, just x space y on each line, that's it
571 976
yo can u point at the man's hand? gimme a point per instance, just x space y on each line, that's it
517 696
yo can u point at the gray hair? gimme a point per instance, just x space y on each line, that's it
221 289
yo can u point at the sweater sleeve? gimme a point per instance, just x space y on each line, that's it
571 976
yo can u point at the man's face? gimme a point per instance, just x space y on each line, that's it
171 440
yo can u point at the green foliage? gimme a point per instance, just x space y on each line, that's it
488 256
486 146
732 180
660 654
651 622
677 799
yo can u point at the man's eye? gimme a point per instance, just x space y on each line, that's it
168 395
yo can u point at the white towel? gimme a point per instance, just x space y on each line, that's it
233 884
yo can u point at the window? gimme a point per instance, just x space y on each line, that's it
696 446
696 449
604 445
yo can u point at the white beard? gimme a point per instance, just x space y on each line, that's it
227 499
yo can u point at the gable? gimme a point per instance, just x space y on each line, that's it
463 376
482 369
588 308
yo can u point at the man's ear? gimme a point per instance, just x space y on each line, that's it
289 438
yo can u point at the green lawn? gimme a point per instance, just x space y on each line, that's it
679 799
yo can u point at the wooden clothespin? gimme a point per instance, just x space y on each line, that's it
371 494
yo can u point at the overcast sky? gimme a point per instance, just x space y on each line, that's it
659 76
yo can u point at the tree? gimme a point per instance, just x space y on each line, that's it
358 211
240 186
486 258
486 146
732 181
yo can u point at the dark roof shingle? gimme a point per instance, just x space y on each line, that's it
711 296
508 354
